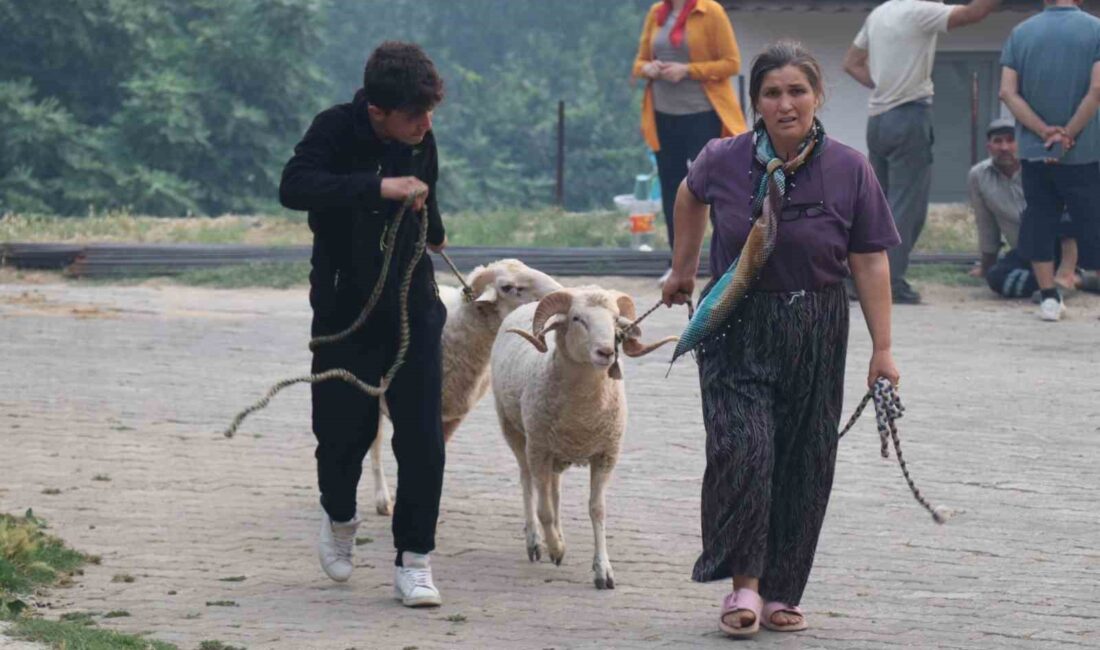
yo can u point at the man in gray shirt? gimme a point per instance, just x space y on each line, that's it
893 55
997 199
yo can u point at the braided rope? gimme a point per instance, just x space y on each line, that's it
403 347
888 409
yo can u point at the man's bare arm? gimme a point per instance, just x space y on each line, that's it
1086 110
968 14
855 64
1010 95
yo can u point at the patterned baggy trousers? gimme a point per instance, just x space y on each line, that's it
772 385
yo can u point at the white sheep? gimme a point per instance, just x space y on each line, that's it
560 402
468 336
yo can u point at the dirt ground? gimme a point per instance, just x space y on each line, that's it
115 396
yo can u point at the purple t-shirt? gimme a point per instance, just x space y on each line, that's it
834 206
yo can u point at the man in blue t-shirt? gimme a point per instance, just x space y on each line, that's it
1050 81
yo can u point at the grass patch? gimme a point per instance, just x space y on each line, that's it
952 275
950 229
31 559
71 635
455 618
273 230
51 492
101 477
233 579
218 645
117 613
123 577
274 275
222 603
360 541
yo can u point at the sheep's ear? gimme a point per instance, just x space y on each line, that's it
481 278
537 341
488 297
625 304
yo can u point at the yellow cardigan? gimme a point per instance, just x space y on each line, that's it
715 58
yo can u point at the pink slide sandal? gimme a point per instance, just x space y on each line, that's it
742 600
775 607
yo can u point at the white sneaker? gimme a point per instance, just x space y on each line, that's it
1052 309
413 585
334 548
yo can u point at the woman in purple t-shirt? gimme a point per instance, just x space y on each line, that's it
772 380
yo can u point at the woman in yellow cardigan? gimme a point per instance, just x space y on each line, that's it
687 53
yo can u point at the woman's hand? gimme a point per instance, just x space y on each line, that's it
674 72
652 70
882 365
677 289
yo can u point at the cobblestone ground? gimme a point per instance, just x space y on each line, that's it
116 396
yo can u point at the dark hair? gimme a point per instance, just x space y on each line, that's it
779 55
400 76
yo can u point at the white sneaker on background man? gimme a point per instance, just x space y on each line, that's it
1052 309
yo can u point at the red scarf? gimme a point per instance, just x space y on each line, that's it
676 36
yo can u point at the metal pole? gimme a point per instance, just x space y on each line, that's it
973 119
559 194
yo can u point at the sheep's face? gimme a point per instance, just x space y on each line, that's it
505 285
588 333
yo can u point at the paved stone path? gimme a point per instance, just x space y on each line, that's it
116 396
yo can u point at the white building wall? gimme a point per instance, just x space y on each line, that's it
828 36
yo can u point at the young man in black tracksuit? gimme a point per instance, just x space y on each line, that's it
353 169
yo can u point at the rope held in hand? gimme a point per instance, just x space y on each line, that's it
390 239
888 409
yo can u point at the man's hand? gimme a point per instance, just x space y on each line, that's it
1059 139
677 289
402 187
976 271
674 72
438 248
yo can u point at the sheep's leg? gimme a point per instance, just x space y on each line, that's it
383 504
533 534
601 563
542 472
555 493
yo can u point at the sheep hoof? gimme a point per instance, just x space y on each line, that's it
557 558
534 553
604 583
384 507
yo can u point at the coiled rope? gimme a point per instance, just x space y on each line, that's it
389 241
888 409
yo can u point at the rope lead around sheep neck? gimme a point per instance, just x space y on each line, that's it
399 360
888 409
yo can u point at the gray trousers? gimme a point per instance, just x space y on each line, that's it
899 144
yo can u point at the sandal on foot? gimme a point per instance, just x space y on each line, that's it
775 607
742 600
